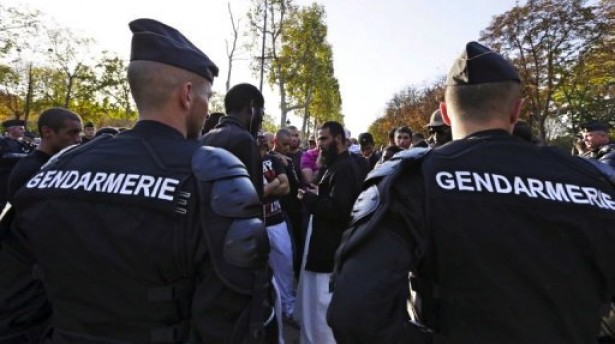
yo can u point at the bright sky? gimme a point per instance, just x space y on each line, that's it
379 47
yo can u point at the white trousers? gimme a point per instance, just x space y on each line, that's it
281 262
313 298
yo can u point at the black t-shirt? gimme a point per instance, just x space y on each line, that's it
272 167
24 170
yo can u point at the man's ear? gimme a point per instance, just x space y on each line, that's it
186 96
516 112
444 112
46 131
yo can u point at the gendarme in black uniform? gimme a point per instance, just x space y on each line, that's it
11 151
507 242
143 254
146 237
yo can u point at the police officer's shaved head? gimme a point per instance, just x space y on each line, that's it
482 86
152 83
480 102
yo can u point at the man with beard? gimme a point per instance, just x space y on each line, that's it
329 205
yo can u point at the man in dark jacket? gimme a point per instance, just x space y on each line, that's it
329 205
501 250
24 307
59 128
236 132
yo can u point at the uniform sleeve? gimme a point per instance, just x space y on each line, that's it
23 302
338 203
21 173
609 158
369 303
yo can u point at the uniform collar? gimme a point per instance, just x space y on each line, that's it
149 128
491 133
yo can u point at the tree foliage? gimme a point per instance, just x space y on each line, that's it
297 60
410 107
547 40
564 51
43 64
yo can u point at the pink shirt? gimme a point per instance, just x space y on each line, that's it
308 159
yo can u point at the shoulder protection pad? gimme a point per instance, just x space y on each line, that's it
607 148
390 166
246 244
235 197
604 169
211 163
366 203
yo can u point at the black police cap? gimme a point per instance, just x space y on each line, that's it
594 126
478 64
155 41
13 123
365 139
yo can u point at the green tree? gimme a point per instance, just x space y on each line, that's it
410 107
313 82
112 84
544 38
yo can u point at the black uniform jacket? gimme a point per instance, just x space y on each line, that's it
509 243
114 227
337 191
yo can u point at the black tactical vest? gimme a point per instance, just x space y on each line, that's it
128 274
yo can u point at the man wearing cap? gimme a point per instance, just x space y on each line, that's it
130 242
12 148
439 132
596 138
368 149
500 250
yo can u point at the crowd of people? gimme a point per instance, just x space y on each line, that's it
201 228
